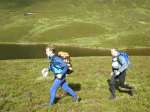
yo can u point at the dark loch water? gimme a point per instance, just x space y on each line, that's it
34 51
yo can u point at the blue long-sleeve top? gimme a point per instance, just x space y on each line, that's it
57 65
124 64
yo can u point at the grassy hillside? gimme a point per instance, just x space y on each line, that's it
22 89
88 23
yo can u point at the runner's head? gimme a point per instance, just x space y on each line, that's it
50 51
114 52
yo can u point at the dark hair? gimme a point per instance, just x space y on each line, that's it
51 48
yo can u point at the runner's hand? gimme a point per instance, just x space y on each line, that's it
117 73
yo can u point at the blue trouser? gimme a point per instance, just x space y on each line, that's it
63 84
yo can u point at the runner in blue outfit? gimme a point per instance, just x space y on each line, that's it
59 69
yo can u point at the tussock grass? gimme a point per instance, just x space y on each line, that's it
22 89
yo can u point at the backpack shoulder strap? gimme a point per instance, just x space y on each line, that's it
118 59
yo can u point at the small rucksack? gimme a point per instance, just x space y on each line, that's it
126 56
67 60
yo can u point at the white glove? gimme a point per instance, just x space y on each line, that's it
44 72
59 76
117 73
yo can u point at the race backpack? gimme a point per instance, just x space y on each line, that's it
67 60
125 55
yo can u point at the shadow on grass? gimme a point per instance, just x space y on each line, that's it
75 86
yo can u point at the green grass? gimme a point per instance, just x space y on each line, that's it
22 88
88 23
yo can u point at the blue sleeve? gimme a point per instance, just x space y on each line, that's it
64 71
49 68
124 64
65 67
